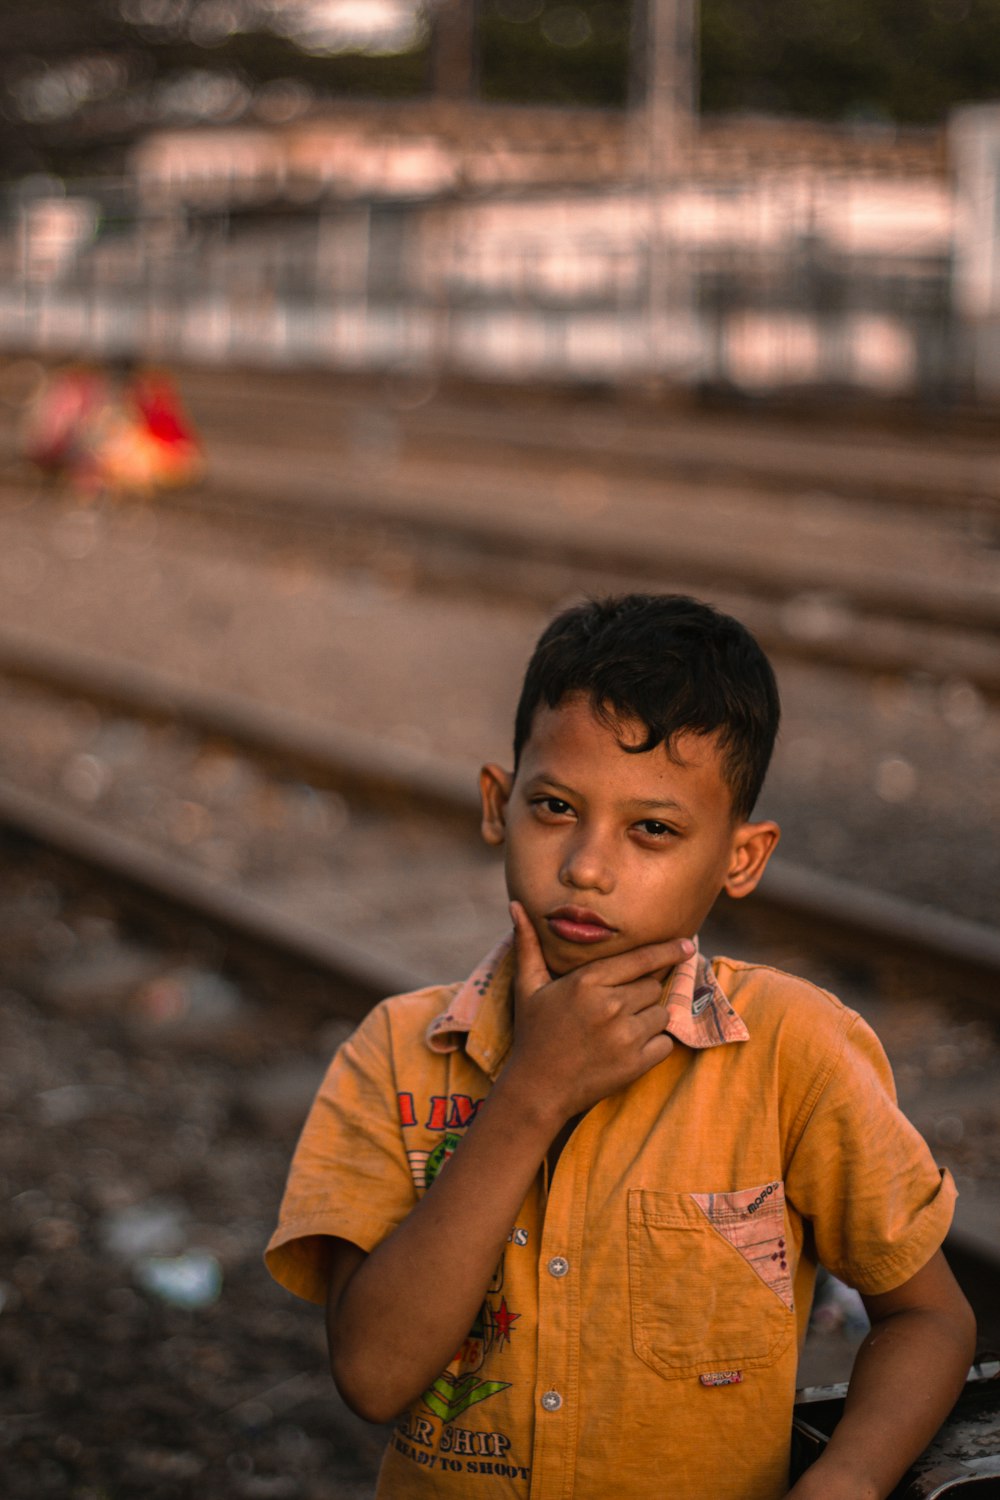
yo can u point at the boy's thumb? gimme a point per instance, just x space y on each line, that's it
531 970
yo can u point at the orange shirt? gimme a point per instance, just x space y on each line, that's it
640 1334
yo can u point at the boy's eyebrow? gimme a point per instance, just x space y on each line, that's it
649 804
543 778
660 803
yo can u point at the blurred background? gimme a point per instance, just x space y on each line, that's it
718 194
341 343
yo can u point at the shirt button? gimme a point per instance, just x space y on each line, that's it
558 1265
552 1401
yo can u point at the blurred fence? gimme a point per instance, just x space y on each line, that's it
760 284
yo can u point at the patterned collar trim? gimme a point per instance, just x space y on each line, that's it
698 1012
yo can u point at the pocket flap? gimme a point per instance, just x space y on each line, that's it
753 1222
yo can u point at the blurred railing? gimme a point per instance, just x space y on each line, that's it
759 285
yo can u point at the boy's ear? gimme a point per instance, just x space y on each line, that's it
753 845
494 790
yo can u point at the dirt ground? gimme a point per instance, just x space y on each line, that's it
148 1122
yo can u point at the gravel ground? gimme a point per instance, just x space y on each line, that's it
149 1110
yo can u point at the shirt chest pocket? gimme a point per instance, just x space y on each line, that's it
710 1285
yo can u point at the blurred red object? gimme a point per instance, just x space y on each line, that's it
59 430
118 432
151 444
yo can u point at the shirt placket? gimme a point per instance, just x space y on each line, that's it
557 1375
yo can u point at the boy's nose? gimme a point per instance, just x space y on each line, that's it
586 867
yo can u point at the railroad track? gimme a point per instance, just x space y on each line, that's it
936 465
876 625
830 913
151 1096
271 927
525 526
872 590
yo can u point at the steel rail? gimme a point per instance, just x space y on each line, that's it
666 438
770 460
866 619
830 914
354 979
387 774
315 498
319 493
478 555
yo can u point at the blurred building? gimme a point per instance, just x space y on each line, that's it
529 243
377 149
421 148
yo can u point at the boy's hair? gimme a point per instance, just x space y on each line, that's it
669 662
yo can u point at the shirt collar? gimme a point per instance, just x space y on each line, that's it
480 1013
699 1012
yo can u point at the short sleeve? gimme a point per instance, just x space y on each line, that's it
864 1177
349 1175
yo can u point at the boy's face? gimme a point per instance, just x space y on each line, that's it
607 851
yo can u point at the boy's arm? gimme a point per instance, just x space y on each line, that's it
397 1316
907 1376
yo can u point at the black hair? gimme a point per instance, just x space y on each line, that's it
673 664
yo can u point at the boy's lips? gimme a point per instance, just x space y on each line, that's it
575 924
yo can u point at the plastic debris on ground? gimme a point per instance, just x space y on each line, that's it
191 1280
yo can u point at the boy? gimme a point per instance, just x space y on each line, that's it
646 1153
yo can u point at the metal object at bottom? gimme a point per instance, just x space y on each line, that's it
964 1456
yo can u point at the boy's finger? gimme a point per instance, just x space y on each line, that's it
651 1018
659 1046
531 969
636 963
644 994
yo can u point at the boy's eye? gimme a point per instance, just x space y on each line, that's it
554 805
654 829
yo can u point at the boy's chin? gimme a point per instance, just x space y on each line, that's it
559 963
564 963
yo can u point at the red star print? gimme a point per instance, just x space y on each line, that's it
503 1322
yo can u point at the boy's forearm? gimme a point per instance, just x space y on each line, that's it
409 1305
907 1376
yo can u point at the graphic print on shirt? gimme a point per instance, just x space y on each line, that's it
753 1222
444 1112
461 1450
458 1387
425 1165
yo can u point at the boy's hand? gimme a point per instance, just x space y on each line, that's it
592 1031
